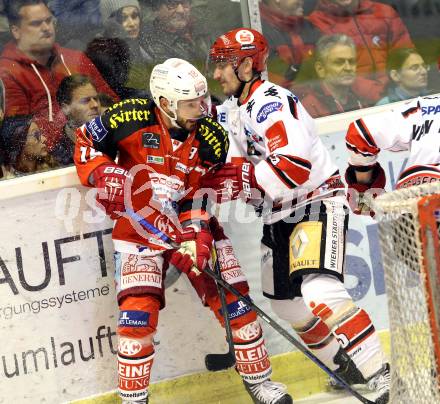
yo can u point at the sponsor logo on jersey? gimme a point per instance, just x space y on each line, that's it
133 318
182 167
97 129
421 130
237 309
129 347
305 246
155 160
151 140
299 244
432 109
267 109
128 116
133 101
252 136
140 271
134 376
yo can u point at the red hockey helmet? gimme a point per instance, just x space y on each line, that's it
233 46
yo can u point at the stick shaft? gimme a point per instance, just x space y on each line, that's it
286 335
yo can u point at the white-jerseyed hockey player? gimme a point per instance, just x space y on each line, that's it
414 126
275 156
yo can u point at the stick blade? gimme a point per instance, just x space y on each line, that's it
215 362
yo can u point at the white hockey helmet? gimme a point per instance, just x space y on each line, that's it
178 80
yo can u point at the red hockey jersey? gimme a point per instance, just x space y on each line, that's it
165 171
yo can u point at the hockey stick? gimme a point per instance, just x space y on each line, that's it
215 362
150 227
285 334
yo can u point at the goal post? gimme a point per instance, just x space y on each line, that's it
409 233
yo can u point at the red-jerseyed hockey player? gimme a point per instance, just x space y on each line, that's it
163 147
276 159
414 126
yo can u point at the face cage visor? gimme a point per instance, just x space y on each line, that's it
221 60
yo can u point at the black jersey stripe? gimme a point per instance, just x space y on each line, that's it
365 133
411 110
303 163
417 169
357 151
283 177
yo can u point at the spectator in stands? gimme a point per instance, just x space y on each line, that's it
31 154
111 57
5 35
122 19
421 17
291 37
375 28
80 103
31 67
174 33
408 73
335 66
78 21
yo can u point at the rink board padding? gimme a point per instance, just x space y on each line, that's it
302 377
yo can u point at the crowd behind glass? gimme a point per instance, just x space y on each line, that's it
63 63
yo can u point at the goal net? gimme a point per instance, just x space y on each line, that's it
409 233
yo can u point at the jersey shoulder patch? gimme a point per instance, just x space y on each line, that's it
127 117
269 98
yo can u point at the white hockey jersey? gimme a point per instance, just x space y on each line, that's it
273 131
414 126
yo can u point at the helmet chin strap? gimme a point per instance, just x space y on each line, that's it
171 118
237 94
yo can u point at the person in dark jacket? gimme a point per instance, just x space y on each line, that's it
376 28
122 19
111 56
175 34
335 66
78 21
408 75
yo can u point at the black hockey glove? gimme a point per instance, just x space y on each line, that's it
214 143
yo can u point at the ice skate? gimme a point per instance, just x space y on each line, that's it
268 392
380 382
347 371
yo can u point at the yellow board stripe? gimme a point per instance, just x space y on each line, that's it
302 377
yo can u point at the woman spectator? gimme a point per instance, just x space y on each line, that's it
122 19
408 75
